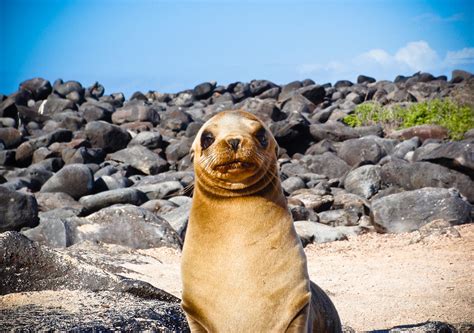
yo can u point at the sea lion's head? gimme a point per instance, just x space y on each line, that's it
234 154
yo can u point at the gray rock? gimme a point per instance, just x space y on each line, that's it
65 89
140 158
180 200
11 137
150 140
293 169
313 199
266 109
185 98
314 93
74 179
175 119
431 327
177 149
160 190
351 203
258 87
354 98
327 164
369 149
136 110
423 132
313 232
337 131
49 201
159 206
292 133
126 225
131 304
292 184
365 79
54 105
458 155
459 75
364 181
83 155
53 232
105 183
178 218
107 136
204 90
39 87
338 217
408 211
288 90
94 110
411 176
17 210
94 202
405 147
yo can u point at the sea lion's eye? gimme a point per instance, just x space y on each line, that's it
206 139
262 137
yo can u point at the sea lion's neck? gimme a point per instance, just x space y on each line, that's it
264 209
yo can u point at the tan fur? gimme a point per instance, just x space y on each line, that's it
243 266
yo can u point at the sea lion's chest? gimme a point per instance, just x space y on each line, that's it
247 249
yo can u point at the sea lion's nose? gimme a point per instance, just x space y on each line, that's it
234 143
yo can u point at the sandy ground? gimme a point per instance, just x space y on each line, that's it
375 281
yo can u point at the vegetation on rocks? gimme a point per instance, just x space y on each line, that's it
444 112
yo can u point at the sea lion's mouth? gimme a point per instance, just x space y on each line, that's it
233 166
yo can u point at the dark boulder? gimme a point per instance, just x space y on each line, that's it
457 155
17 210
127 225
327 164
11 137
337 131
92 110
460 75
74 179
365 79
140 158
94 202
258 87
408 211
412 176
136 110
366 150
40 88
107 136
204 90
54 105
314 93
150 140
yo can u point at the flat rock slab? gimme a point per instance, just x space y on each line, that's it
103 311
39 284
410 210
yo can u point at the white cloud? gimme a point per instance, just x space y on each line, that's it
378 55
461 57
413 57
418 56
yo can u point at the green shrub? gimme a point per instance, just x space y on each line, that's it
456 118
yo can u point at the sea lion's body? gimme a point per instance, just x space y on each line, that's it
243 266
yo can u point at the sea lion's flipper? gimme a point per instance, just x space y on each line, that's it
323 312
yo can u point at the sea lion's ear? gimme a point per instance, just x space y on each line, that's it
191 154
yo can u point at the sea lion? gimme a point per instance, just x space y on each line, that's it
243 265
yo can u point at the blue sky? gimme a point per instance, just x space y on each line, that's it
173 45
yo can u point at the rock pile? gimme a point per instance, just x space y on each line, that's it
79 165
